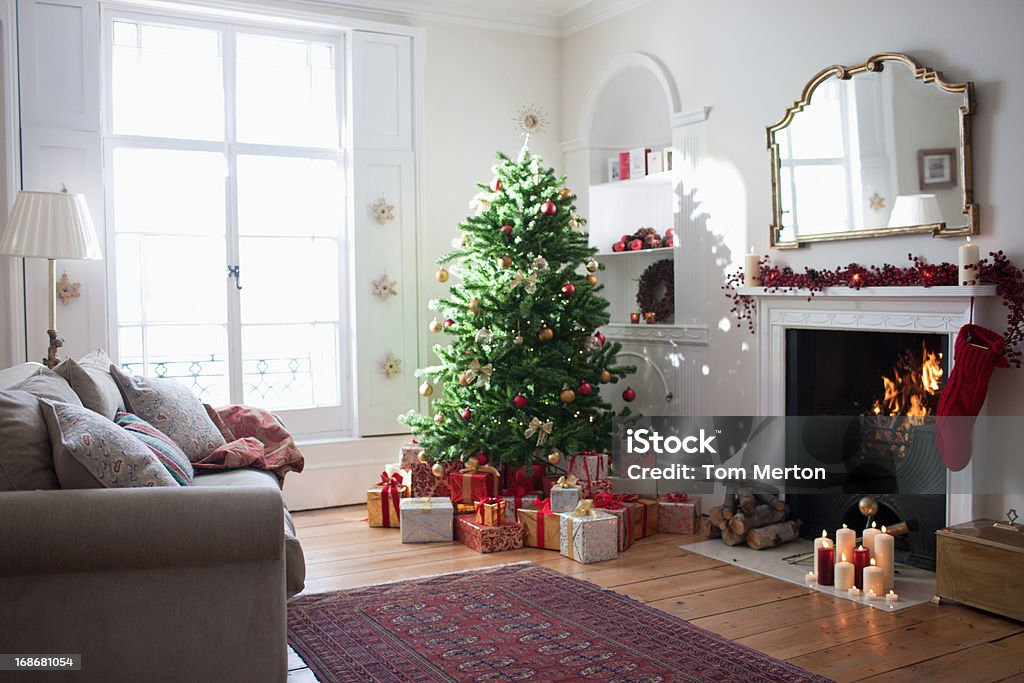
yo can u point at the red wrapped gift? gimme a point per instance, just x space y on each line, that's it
589 489
411 455
677 514
605 502
541 526
470 484
645 514
490 511
531 477
518 495
488 539
589 465
425 485
383 501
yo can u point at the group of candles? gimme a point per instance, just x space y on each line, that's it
648 316
867 567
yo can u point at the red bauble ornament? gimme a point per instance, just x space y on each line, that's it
619 246
496 185
548 208
506 229
467 414
482 459
670 232
519 401
568 289
448 323
584 389
600 337
628 395
670 241
636 245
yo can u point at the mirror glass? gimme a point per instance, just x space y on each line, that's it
872 150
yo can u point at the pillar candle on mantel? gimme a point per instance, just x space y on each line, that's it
874 581
822 542
861 558
826 565
969 257
846 541
752 269
844 573
869 538
885 546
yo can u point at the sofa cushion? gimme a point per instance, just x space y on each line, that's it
169 406
46 383
95 388
99 361
26 459
165 450
90 451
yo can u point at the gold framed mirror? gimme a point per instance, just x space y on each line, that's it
881 148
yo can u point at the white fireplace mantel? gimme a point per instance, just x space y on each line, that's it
874 292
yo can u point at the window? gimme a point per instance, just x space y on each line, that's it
226 200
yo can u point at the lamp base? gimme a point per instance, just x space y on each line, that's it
52 360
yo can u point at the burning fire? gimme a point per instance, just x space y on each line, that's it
913 386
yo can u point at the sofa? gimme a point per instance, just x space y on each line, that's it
184 583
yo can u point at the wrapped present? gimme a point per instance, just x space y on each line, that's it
425 520
606 502
411 454
677 514
530 477
590 489
488 539
473 482
588 535
645 514
491 511
396 468
589 465
517 497
383 501
564 494
541 526
425 484
465 508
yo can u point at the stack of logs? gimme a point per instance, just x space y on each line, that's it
760 520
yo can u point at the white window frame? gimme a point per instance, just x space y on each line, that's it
320 422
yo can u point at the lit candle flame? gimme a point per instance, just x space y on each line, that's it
874 525
824 533
872 562
884 531
860 547
844 557
844 526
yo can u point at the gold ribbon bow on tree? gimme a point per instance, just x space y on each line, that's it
541 429
529 282
585 508
481 372
567 482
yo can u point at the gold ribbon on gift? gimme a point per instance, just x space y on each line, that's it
541 429
481 372
473 467
585 508
567 482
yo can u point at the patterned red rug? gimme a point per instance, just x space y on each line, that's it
511 623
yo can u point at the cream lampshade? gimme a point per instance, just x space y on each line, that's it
50 225
915 209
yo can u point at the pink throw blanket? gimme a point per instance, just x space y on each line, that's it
255 438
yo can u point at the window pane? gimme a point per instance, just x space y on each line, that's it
287 279
290 366
167 82
193 354
184 279
129 279
824 198
169 191
290 196
817 131
285 90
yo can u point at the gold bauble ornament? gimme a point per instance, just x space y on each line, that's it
422 457
592 280
438 419
442 275
426 389
517 340
505 261
592 266
555 457
564 193
464 380
435 326
546 334
868 506
474 306
567 396
437 470
606 377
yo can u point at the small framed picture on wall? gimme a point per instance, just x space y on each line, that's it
613 169
936 168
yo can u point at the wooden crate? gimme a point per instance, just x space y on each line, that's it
981 565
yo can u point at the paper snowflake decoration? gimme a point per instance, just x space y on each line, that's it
385 287
876 202
531 120
382 212
390 366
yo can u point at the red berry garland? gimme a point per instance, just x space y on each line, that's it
659 273
998 270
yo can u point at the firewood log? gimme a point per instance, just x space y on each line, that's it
729 506
747 502
771 499
763 516
708 529
717 518
730 538
773 534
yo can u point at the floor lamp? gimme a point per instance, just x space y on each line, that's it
50 225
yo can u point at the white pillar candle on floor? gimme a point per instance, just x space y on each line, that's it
822 542
874 580
885 546
869 538
969 256
846 540
844 573
752 269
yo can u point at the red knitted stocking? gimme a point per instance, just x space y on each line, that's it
977 352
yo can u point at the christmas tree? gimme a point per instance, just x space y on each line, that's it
518 377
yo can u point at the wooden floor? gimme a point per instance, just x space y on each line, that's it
836 638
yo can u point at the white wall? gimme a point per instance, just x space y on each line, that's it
749 60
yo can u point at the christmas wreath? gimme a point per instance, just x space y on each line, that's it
658 276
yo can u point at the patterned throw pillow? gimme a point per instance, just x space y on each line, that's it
173 409
95 388
90 451
165 450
